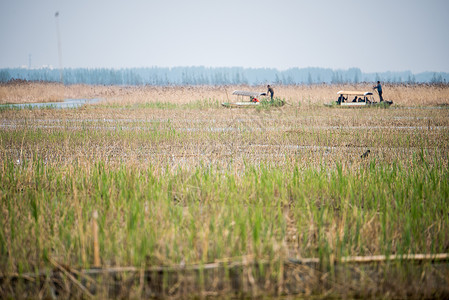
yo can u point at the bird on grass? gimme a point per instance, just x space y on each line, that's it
364 155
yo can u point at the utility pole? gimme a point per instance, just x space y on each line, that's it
61 78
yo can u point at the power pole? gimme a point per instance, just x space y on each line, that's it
61 78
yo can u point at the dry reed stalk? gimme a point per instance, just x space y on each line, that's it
405 257
97 262
71 277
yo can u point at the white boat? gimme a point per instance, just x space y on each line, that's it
255 99
357 99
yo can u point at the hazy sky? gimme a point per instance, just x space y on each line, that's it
375 36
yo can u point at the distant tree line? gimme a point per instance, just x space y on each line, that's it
214 76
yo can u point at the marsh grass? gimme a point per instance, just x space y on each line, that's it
207 213
197 104
268 103
185 182
32 92
401 94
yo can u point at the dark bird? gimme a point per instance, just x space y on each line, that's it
365 154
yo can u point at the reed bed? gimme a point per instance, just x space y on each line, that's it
29 92
36 92
177 180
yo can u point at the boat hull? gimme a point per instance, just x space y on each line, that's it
246 104
240 104
359 104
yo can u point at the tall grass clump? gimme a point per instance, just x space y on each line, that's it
208 214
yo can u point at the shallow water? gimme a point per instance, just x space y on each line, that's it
67 103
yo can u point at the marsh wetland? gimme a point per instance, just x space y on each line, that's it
182 185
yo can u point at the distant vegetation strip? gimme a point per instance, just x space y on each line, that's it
214 76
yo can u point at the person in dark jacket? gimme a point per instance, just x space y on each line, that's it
379 90
270 91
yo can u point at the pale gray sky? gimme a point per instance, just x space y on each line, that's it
375 36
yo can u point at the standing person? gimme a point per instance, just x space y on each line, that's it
379 90
270 91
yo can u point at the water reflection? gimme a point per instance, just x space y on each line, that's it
67 103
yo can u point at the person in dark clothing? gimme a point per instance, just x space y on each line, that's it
341 99
270 91
379 90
